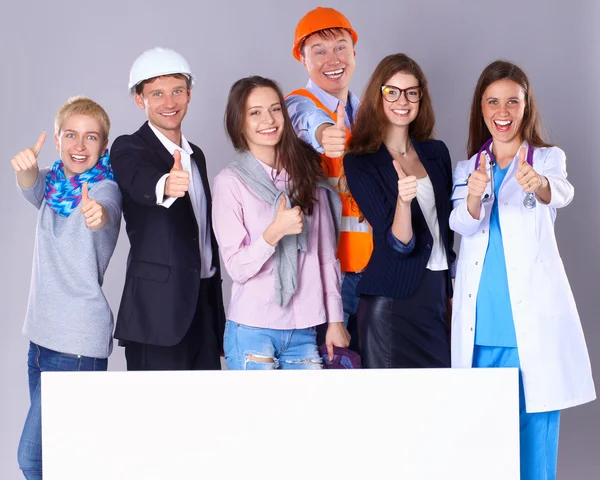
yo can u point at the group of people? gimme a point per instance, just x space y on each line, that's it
335 223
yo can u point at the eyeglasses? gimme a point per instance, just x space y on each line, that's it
391 94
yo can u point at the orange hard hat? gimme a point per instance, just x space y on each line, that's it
321 18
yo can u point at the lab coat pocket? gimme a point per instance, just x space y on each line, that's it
551 288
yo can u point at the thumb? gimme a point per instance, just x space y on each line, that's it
282 204
177 163
522 156
330 350
341 114
399 170
84 192
483 163
38 145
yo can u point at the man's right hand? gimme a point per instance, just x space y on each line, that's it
26 159
333 137
178 181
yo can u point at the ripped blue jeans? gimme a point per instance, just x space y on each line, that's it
253 348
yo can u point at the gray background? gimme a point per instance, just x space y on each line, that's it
53 50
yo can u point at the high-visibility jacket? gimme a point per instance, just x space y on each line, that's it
356 238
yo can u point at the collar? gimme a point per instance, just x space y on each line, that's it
330 101
169 145
271 172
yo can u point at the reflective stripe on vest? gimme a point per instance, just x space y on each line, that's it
356 239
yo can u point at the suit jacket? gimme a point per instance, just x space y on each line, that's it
162 281
373 182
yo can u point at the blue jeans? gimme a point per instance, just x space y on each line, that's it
40 360
538 432
245 347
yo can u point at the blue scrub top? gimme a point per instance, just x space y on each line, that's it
494 325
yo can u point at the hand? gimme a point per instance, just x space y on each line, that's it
336 336
93 212
178 181
407 185
27 159
333 138
288 221
479 179
528 178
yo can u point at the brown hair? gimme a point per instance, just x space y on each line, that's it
302 163
327 34
80 105
139 88
370 125
531 129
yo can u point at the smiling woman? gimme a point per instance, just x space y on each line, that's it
276 220
75 238
400 178
513 303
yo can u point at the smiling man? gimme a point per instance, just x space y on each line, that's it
322 115
171 315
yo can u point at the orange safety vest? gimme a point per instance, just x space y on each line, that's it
356 238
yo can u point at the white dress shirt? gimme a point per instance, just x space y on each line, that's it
426 198
197 197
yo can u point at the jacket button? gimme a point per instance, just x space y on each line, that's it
505 204
428 247
194 239
476 263
469 295
483 231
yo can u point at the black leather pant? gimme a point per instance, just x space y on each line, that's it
407 333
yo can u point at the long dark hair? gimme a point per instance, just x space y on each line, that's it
531 129
301 161
370 125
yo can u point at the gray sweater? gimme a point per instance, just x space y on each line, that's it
67 310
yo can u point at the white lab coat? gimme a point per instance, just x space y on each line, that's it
554 359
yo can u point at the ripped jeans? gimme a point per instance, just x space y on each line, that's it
253 348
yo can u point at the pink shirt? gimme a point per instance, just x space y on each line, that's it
239 219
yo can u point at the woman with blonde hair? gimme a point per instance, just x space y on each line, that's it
69 323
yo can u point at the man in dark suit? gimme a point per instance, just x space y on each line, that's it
171 315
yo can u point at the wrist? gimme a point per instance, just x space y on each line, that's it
272 235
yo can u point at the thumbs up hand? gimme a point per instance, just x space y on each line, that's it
528 178
479 179
27 159
407 185
287 221
333 138
93 212
178 181
25 163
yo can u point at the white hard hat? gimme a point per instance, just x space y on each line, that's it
156 62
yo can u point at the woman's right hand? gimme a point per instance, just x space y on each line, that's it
479 179
26 159
407 185
287 221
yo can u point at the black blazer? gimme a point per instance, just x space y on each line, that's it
162 281
373 182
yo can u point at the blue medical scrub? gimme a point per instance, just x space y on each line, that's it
496 347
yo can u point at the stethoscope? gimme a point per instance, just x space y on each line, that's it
529 201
